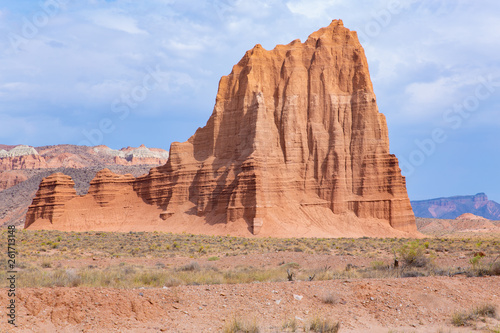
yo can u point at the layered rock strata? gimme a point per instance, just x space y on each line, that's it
49 202
295 146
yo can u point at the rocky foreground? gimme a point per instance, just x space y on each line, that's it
374 305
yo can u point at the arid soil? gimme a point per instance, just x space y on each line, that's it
457 227
365 305
419 304
385 303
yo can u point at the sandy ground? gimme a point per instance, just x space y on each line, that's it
364 305
423 304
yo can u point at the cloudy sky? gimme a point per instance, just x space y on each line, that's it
124 73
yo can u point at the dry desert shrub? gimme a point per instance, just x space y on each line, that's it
322 325
192 266
465 318
290 325
241 325
330 298
495 268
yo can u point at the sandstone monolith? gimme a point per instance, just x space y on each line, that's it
295 146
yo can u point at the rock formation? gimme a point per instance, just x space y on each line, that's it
130 155
295 147
453 207
49 201
23 167
22 162
11 178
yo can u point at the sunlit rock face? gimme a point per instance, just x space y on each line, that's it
295 146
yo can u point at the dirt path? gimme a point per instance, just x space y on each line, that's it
367 305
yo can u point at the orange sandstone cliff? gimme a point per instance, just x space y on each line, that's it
295 146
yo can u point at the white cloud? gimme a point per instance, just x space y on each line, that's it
176 45
312 9
115 21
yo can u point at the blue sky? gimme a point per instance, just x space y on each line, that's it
125 73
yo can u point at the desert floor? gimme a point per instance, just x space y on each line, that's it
153 282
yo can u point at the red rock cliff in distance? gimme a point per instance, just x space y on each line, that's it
295 147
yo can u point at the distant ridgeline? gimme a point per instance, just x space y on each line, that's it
452 207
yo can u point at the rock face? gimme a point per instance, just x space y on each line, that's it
295 147
22 162
11 178
22 169
21 157
49 201
453 207
106 186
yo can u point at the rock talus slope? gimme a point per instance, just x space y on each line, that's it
295 147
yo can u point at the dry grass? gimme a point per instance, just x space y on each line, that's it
465 318
72 245
241 325
323 325
330 298
40 254
290 325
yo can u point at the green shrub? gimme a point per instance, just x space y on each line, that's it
413 254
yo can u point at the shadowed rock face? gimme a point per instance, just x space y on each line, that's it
295 141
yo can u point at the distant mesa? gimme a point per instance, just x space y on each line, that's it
20 150
469 216
295 147
131 154
23 157
17 162
453 207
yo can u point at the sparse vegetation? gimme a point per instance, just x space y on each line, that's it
414 254
330 298
241 325
290 325
42 264
322 325
191 267
465 318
